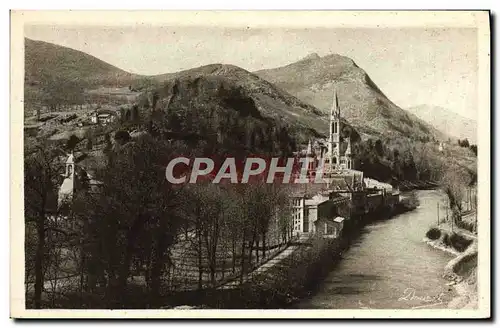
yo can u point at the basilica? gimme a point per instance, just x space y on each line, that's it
334 154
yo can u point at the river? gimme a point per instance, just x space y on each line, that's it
389 266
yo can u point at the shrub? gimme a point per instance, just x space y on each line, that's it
433 234
459 242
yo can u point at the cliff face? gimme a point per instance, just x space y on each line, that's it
313 79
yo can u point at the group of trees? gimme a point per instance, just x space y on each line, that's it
465 144
137 225
396 161
42 176
404 160
459 185
234 227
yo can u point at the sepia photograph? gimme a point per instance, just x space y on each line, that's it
327 164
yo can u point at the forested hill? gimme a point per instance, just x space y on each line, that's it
234 105
270 101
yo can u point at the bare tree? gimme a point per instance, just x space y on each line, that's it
455 182
42 174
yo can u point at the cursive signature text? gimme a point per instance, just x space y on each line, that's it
410 294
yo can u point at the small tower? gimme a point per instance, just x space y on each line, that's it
67 188
311 153
334 139
348 154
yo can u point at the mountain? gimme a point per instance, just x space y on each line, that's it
447 121
203 83
290 94
363 104
56 75
46 62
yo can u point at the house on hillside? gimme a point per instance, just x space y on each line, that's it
441 146
103 116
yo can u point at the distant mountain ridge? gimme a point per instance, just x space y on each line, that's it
299 94
313 78
447 121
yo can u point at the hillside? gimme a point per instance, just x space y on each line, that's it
62 78
313 78
270 102
49 62
447 121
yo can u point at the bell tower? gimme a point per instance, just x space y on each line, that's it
67 188
70 167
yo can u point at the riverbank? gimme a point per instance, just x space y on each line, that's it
461 271
281 284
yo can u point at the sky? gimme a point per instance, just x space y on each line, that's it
412 66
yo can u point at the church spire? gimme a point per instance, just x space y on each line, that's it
334 138
335 110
